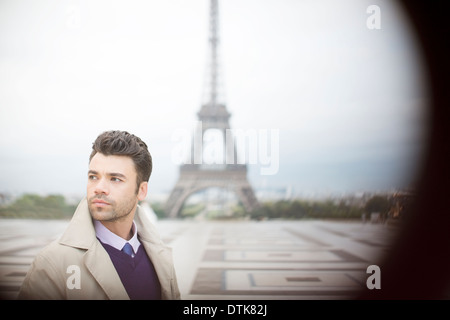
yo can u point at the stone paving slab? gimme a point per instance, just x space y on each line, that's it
280 259
234 260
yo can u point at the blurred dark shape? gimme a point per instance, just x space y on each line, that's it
418 265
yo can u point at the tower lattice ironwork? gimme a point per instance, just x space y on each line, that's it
196 175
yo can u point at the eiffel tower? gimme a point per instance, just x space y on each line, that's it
195 175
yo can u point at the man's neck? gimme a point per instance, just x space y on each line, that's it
122 228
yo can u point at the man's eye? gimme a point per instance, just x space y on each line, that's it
116 179
91 177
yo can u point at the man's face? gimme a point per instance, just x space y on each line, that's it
111 187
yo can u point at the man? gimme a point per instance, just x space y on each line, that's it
110 249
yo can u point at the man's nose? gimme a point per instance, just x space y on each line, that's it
102 187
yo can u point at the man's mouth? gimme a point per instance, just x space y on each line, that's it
100 203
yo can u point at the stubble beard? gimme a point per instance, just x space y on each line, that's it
113 212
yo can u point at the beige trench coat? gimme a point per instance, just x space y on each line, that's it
51 274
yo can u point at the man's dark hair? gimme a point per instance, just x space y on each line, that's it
122 143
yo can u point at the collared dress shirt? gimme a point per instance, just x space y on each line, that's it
110 238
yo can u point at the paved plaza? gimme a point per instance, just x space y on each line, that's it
234 260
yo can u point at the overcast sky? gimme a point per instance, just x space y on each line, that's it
349 102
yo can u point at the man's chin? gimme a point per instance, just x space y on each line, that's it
101 214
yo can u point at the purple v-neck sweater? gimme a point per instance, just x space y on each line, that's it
137 274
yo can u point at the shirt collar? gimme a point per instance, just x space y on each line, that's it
110 238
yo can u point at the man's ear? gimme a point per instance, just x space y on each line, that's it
142 192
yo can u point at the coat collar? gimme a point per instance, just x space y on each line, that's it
81 232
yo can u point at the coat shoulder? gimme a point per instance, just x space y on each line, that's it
56 253
46 277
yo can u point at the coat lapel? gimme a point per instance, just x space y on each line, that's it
159 259
99 263
81 234
159 254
